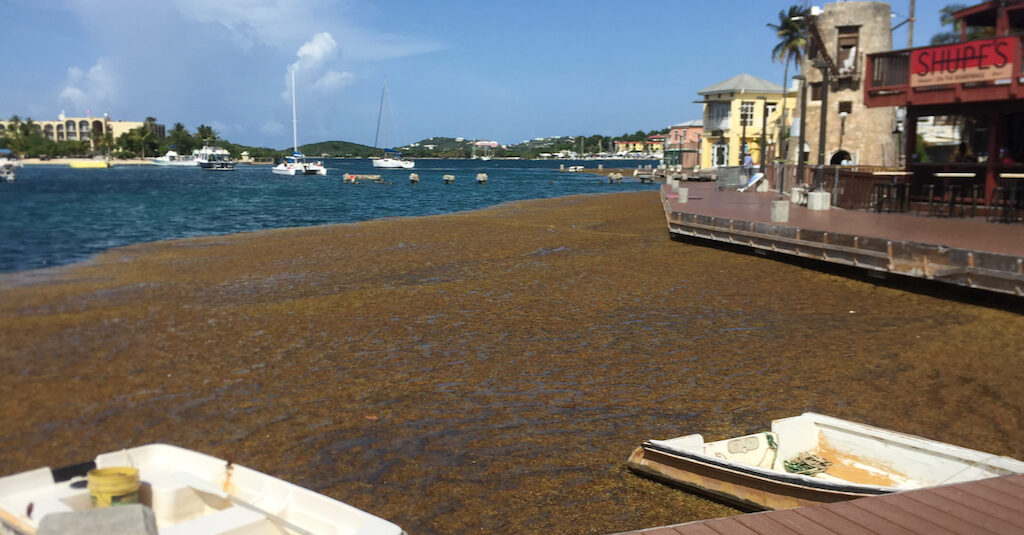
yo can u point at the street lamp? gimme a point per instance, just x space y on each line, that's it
803 127
764 129
842 127
819 170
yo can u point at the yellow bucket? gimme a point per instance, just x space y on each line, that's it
113 486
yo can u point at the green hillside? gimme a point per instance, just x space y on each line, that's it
338 149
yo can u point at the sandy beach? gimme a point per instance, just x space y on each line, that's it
482 372
65 161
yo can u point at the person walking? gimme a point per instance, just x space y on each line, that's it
748 165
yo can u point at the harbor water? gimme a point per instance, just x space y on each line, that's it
54 215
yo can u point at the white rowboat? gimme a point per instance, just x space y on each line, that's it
811 459
189 493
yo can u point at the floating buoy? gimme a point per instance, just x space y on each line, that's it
414 178
481 178
448 179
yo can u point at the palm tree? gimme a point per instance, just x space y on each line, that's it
946 16
792 33
206 133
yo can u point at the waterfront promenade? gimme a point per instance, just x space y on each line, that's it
486 371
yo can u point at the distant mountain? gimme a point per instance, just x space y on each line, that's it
340 149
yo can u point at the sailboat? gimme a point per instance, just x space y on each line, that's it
391 159
296 164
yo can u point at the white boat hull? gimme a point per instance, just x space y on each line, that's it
391 163
292 169
190 493
751 471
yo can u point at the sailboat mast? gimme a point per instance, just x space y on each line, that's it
380 112
295 122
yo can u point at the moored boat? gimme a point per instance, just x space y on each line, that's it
89 164
811 459
173 159
390 159
393 160
8 163
213 158
297 164
188 493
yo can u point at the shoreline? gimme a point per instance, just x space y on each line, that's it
66 161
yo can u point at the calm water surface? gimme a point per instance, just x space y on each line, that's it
55 215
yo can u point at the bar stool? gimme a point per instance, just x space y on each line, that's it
954 191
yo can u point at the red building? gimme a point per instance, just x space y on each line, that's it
974 85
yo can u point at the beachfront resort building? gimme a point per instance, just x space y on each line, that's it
84 128
736 113
839 38
682 145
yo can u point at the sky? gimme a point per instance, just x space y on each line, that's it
502 71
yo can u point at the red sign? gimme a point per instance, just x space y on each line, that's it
973 61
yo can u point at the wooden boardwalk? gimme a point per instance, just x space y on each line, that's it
963 251
989 506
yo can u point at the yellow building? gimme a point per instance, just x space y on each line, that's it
735 114
83 128
629 146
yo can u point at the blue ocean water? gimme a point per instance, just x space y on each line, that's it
55 215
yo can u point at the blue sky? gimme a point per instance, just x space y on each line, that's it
506 71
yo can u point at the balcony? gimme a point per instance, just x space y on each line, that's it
974 71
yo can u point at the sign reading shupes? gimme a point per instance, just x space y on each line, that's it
974 61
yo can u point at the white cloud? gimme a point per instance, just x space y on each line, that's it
315 52
332 81
316 55
90 90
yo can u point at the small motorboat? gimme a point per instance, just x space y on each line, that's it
173 159
89 164
812 459
181 492
8 163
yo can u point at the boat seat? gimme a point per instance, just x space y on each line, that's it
230 520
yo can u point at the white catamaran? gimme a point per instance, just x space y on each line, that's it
297 164
391 158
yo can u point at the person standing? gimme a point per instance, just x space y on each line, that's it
748 165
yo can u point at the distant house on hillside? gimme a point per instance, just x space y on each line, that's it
736 112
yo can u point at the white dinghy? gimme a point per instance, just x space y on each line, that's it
189 493
811 459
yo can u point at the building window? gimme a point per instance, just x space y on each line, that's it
771 107
846 107
846 59
746 114
816 91
718 115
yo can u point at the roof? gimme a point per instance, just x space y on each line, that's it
742 82
689 124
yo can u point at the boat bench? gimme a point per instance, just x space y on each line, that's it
230 520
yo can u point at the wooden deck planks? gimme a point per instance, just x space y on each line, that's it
990 506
